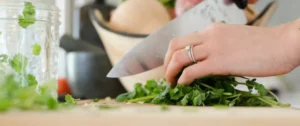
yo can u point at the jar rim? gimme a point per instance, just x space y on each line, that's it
18 5
39 5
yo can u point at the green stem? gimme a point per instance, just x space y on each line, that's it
245 84
142 99
277 99
267 101
227 93
247 94
205 85
233 96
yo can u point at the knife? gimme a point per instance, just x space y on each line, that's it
150 52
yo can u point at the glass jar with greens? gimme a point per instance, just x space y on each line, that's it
28 54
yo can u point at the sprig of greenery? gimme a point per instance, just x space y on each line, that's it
69 99
28 18
207 91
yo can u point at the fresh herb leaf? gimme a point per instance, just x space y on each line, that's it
19 63
96 100
197 100
184 100
69 99
52 103
261 89
122 97
36 49
31 80
5 104
28 18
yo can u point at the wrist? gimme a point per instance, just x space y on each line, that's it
291 36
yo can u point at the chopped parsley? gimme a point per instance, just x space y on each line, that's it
36 49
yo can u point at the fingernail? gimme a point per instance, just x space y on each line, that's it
180 81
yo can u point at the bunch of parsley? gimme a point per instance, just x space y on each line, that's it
207 91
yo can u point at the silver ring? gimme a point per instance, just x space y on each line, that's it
189 49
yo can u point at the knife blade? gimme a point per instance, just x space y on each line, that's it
150 52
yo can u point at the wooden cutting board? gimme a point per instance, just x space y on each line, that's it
152 115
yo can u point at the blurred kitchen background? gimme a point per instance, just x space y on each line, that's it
84 60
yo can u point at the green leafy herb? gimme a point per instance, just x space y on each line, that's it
31 80
5 104
96 100
28 18
206 91
52 103
69 99
14 95
36 49
19 63
122 97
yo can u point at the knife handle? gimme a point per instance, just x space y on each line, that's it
242 4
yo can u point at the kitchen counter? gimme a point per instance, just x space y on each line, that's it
152 115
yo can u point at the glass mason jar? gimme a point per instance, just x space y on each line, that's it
28 50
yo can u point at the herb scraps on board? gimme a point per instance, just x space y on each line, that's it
206 91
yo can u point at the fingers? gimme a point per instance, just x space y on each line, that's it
195 71
180 43
180 59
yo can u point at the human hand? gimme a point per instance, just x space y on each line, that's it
225 49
